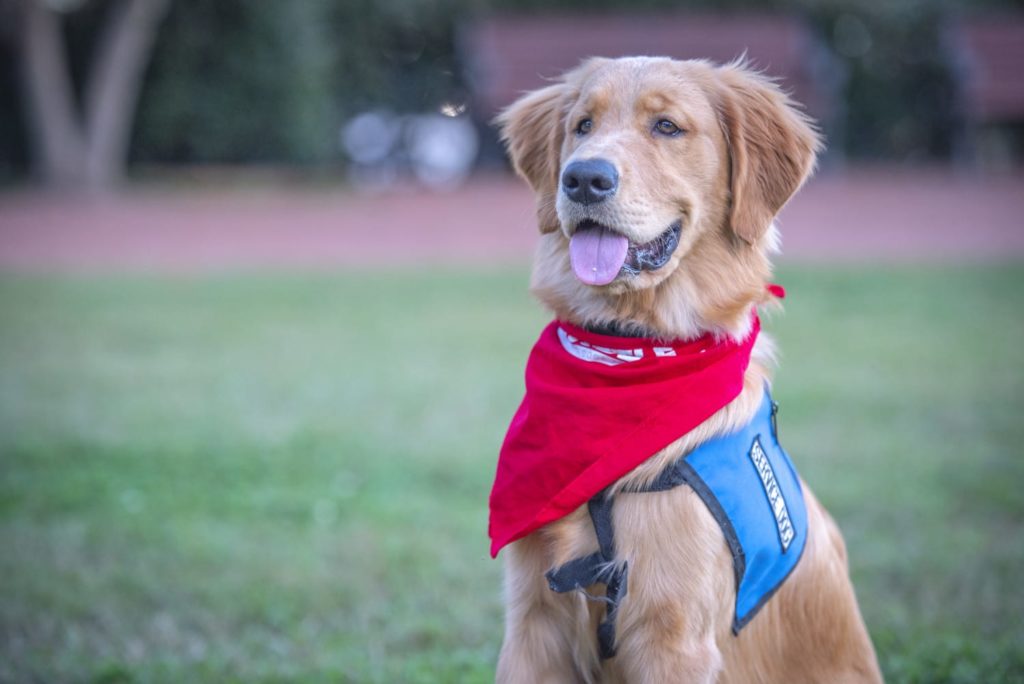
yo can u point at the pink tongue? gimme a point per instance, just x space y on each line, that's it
597 255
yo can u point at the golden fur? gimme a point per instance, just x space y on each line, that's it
744 151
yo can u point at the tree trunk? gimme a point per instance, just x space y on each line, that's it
115 79
85 151
57 141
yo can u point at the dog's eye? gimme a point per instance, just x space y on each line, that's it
666 127
584 126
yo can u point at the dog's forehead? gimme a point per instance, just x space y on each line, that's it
655 84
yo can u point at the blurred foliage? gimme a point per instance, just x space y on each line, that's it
901 96
236 81
13 146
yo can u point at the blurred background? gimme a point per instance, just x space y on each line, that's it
264 315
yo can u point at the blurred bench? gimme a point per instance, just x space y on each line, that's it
991 49
511 54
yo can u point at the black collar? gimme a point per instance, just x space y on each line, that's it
617 329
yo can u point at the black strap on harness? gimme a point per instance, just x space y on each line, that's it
597 568
600 567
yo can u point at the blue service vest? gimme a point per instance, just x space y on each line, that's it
751 489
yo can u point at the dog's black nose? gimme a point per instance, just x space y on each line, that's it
590 181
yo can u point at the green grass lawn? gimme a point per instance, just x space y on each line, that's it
285 478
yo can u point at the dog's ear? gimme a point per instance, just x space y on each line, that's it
532 129
772 147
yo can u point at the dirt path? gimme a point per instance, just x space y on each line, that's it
862 215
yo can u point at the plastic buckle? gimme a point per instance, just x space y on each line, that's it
775 420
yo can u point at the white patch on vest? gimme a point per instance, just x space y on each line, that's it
775 498
590 352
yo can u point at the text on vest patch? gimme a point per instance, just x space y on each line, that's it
776 501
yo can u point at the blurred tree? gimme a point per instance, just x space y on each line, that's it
83 145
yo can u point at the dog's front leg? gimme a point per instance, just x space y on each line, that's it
539 624
679 593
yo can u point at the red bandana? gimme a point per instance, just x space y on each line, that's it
596 407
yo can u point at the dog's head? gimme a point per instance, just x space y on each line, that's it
657 183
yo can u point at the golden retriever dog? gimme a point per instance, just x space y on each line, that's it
691 162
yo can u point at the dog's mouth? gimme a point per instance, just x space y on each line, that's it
599 254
